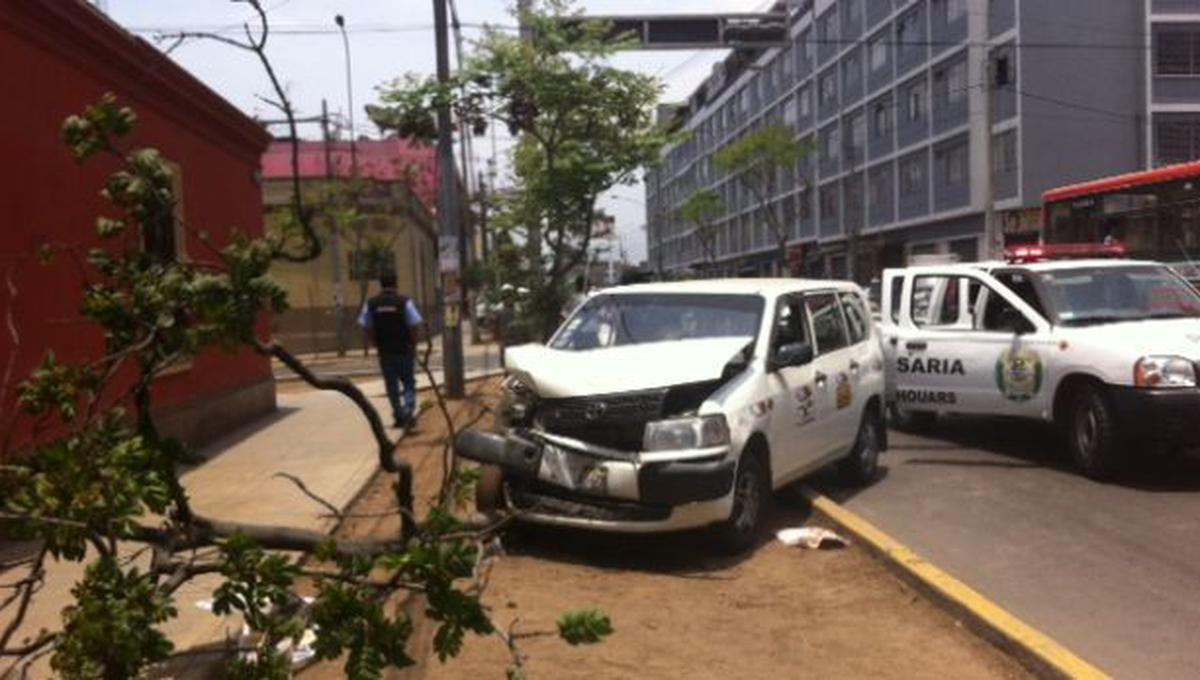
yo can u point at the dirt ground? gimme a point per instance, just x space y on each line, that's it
679 611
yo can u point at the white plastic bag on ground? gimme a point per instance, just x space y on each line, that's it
813 538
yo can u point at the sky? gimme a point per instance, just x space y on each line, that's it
389 38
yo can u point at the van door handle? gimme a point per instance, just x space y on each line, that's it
916 344
854 366
819 378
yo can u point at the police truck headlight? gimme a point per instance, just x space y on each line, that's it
1164 371
700 432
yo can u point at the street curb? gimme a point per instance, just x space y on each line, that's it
1040 654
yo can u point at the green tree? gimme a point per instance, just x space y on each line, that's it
757 159
701 210
583 127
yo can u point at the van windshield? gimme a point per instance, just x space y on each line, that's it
611 320
1096 295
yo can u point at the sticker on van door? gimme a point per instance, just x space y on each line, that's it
1019 374
845 393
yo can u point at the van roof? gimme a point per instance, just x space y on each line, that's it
768 287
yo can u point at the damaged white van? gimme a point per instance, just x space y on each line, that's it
659 407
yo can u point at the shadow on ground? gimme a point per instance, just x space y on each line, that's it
686 554
1023 444
227 441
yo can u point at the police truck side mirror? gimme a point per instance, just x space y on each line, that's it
1014 321
792 354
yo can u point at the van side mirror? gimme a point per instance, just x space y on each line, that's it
791 354
1014 321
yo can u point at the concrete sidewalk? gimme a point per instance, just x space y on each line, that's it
478 358
319 437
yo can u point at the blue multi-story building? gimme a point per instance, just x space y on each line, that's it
890 97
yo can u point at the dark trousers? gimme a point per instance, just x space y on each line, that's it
398 369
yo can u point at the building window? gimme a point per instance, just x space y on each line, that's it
804 206
164 234
953 159
879 52
829 203
1177 50
1176 138
827 28
828 89
1004 152
830 144
950 83
907 29
912 176
805 102
949 11
851 70
881 117
853 11
914 101
857 136
880 187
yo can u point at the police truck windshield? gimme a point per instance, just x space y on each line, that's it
1096 295
630 319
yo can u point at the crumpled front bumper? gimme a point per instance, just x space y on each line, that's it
578 484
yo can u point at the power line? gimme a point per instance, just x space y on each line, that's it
308 29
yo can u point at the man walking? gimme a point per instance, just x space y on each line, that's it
394 324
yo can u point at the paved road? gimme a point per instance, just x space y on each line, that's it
1112 571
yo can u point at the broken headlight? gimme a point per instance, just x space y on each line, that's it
516 402
701 432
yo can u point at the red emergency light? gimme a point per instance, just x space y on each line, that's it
1065 251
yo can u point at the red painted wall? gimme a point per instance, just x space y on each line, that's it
56 58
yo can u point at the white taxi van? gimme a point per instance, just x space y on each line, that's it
1104 347
658 407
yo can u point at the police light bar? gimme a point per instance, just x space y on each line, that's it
1065 251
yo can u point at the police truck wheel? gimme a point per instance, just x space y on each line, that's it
751 502
1092 436
861 466
489 490
911 421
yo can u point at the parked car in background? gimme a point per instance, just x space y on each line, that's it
1106 349
659 407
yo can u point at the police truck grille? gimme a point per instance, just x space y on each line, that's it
613 421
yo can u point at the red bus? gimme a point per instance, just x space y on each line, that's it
1154 213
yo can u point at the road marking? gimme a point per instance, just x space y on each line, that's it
1031 646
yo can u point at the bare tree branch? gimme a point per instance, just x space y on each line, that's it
333 509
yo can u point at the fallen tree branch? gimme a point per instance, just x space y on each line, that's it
333 510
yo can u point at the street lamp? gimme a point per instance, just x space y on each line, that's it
341 24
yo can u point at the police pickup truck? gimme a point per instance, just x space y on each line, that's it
666 406
1105 348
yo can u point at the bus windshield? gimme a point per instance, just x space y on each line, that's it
1095 295
630 319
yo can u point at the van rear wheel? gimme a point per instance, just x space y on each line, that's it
862 465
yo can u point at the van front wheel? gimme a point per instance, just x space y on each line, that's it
751 502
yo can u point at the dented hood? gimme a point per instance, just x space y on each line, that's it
555 373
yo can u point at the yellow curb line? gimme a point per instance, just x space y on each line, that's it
1031 647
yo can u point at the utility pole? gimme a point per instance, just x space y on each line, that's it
451 244
993 241
481 195
341 24
335 238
